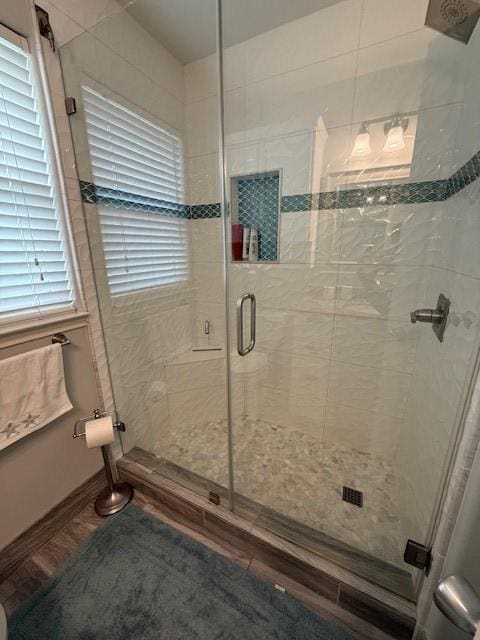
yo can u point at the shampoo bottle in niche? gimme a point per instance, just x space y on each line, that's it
253 246
246 242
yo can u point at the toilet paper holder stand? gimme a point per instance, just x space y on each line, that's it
116 495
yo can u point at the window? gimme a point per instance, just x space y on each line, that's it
138 171
34 274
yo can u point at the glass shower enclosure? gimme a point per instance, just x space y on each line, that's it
270 190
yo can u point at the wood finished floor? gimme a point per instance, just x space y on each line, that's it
42 563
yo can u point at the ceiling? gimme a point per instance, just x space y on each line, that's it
187 27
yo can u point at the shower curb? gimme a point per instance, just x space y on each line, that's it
386 611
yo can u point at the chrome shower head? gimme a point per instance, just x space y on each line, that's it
454 18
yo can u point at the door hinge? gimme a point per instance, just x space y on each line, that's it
70 106
418 555
44 26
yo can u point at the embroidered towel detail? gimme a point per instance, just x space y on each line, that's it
32 392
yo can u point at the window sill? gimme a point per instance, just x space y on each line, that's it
22 330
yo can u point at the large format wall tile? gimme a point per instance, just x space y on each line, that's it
381 292
311 238
412 72
386 19
301 100
291 411
195 375
90 61
291 155
197 406
89 12
317 36
292 373
201 127
363 430
208 278
435 154
375 343
459 233
294 287
65 28
298 332
376 390
469 129
123 35
206 240
201 79
399 234
203 179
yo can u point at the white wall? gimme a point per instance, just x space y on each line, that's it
40 470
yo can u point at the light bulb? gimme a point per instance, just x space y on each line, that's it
395 140
362 143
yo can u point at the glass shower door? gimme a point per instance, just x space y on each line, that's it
339 121
151 203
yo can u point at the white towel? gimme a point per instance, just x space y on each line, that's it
32 392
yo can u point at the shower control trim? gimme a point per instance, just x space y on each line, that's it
436 317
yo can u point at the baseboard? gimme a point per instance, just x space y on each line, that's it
389 613
56 519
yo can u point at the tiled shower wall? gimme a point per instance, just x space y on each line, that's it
336 355
441 372
143 329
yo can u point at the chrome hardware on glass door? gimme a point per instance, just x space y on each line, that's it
242 351
436 317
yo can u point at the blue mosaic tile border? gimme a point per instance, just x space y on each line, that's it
300 202
465 175
201 211
410 193
125 200
93 194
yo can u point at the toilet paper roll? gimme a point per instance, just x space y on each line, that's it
99 432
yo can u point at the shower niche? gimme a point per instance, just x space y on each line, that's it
255 206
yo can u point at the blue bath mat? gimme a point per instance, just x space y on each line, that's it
138 579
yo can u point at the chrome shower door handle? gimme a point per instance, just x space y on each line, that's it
243 351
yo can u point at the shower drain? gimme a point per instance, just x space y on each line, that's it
353 496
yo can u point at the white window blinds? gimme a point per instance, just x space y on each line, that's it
34 275
138 171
